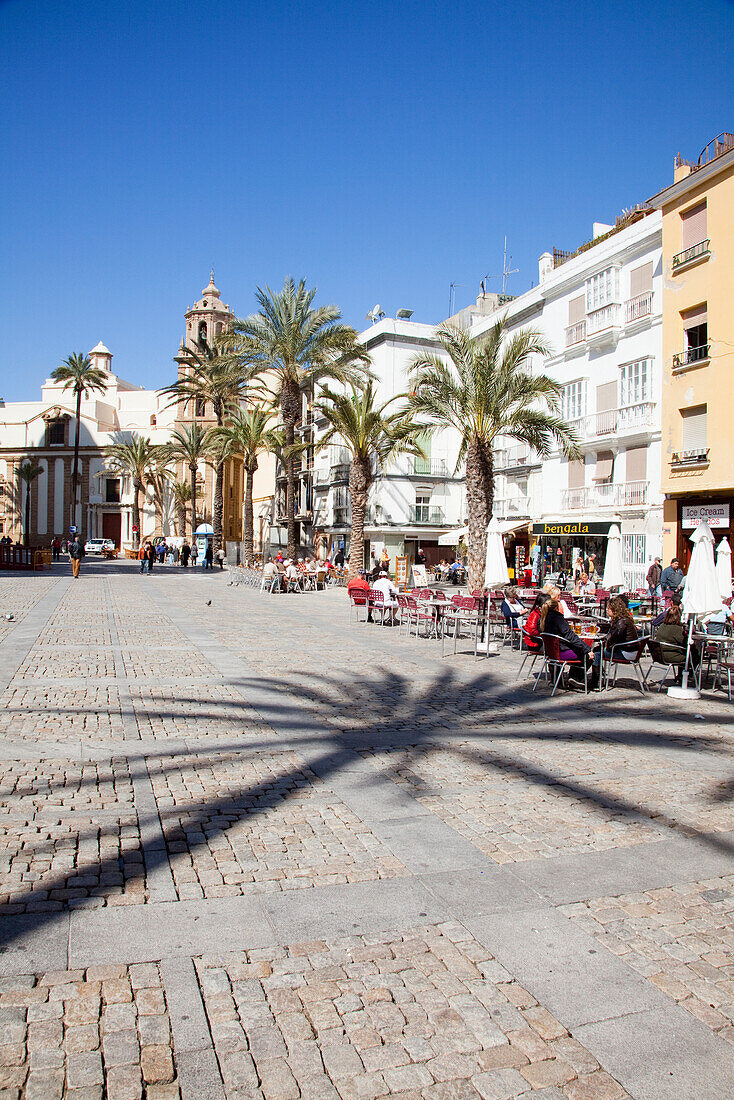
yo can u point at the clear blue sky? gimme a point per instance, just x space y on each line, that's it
380 150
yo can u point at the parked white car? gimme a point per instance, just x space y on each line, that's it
97 546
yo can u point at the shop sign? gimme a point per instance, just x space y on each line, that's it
716 515
401 573
580 527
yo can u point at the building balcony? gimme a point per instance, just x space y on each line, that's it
340 472
602 323
576 334
638 307
626 494
518 456
429 517
691 255
629 419
690 460
430 467
511 507
691 357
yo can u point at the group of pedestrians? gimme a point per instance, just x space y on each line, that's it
150 554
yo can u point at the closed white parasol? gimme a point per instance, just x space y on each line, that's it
723 568
701 595
495 568
613 571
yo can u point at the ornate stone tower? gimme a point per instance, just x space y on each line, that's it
205 321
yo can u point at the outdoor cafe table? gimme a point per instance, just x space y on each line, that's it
721 641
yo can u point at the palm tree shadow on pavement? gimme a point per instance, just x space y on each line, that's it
475 724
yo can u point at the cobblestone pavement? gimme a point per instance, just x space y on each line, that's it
249 848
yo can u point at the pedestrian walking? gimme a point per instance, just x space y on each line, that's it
654 573
76 553
209 555
194 554
220 557
150 555
56 549
142 557
185 553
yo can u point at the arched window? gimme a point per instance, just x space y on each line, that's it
202 332
200 407
153 420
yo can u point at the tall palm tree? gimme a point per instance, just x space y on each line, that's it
373 436
27 473
135 458
296 346
79 376
212 374
190 445
488 389
181 496
247 433
159 477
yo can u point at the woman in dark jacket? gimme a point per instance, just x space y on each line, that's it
531 627
622 629
674 642
552 621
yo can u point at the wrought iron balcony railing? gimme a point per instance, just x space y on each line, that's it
695 252
691 355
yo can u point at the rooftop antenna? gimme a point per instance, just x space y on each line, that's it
375 314
506 272
452 297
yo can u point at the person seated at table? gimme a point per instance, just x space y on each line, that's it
512 608
270 572
389 592
571 647
553 591
291 573
437 570
531 628
621 629
360 586
673 641
719 622
585 586
455 571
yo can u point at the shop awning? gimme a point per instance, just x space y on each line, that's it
509 525
453 538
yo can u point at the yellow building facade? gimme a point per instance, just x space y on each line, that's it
698 348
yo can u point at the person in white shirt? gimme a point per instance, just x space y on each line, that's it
270 572
389 592
555 594
586 586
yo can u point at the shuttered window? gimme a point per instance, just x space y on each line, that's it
604 466
636 460
576 474
576 309
640 280
606 397
696 316
693 225
693 429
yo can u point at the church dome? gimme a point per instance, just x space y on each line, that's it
100 350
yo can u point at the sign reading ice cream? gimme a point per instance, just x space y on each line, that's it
716 515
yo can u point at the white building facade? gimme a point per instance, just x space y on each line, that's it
413 501
600 311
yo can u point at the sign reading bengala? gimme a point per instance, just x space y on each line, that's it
579 528
716 515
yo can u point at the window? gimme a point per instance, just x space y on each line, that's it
423 465
56 433
576 309
693 226
641 280
200 407
112 490
602 288
634 549
422 507
202 332
693 429
695 328
635 382
573 400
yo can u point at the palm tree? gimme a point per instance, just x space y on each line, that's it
487 389
190 445
160 477
78 375
27 473
247 433
374 436
181 496
213 374
136 458
299 347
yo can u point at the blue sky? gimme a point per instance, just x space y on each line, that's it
382 151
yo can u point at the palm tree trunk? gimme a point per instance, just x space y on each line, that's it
75 467
360 478
479 503
181 519
290 405
218 510
28 513
249 540
136 515
192 470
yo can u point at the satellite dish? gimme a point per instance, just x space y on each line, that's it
376 313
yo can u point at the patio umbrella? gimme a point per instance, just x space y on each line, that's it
495 568
701 595
723 568
613 571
